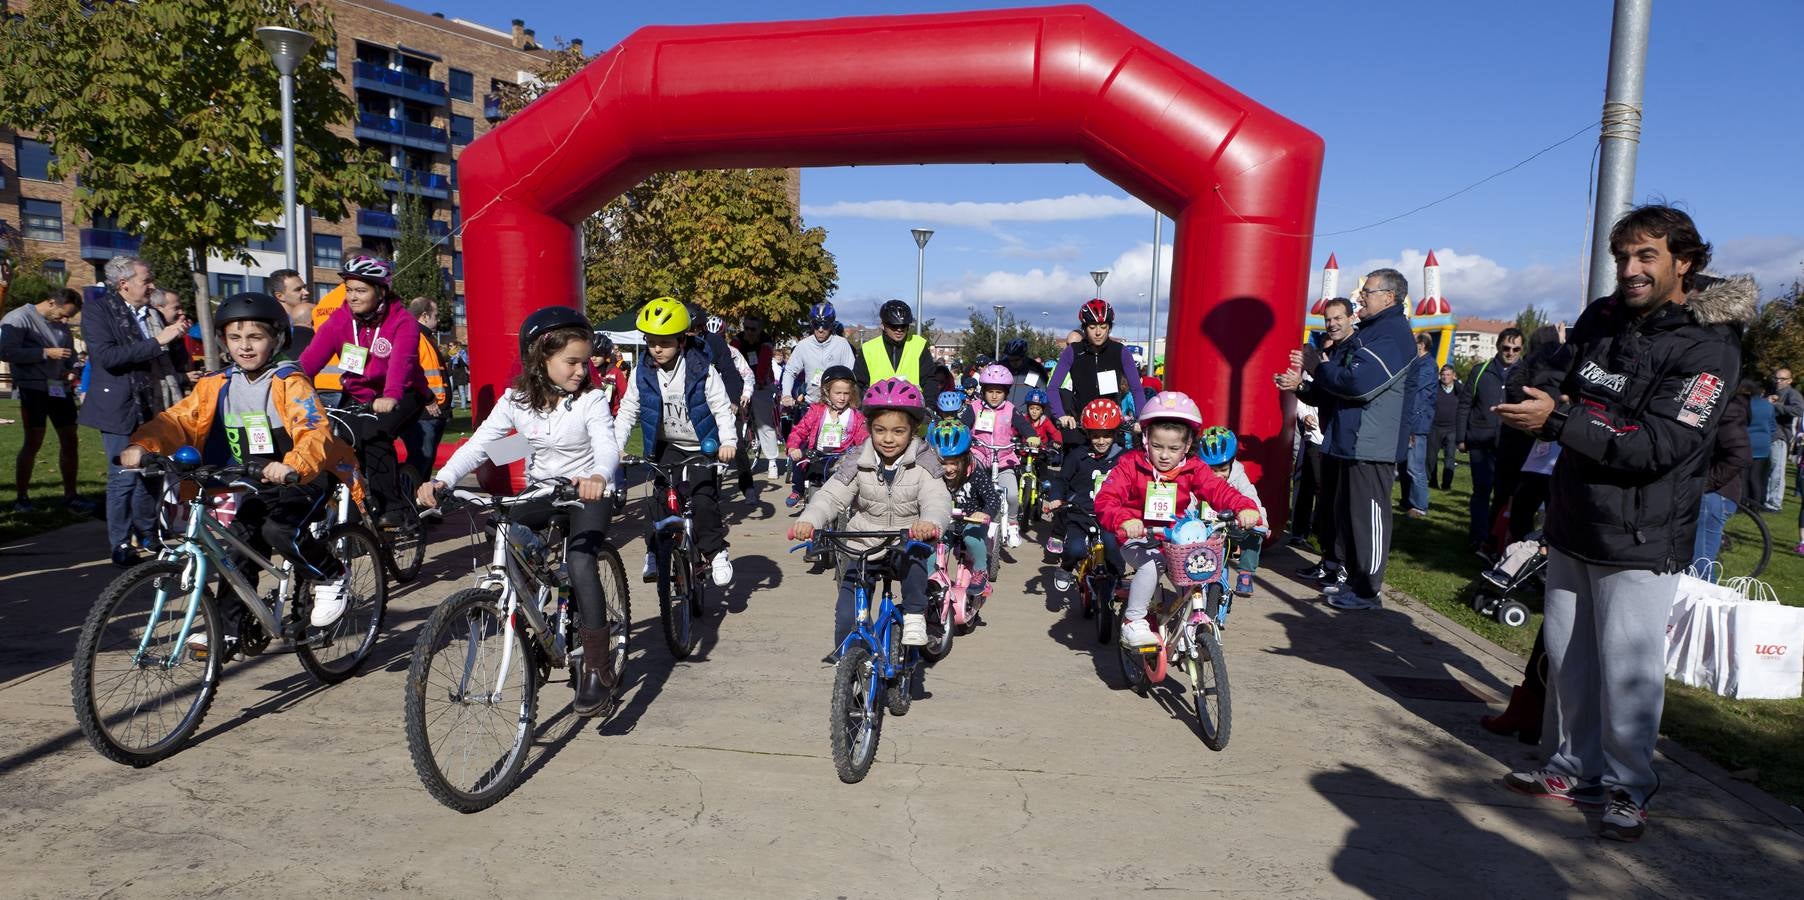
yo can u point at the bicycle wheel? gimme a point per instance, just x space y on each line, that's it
1747 546
1208 672
856 719
137 708
618 604
1133 671
404 545
1103 590
673 603
469 723
348 641
939 626
898 695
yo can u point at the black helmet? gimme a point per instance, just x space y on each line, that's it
255 307
604 345
1016 347
896 313
548 319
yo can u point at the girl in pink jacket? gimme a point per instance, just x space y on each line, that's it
829 429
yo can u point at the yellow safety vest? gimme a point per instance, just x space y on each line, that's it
876 360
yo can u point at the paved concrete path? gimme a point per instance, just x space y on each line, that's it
1026 771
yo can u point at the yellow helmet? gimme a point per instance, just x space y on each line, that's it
664 316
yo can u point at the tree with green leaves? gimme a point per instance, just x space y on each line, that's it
171 112
980 340
1776 338
417 271
1531 319
172 269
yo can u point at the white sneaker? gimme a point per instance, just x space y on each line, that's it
773 471
1014 536
650 572
329 601
722 567
1135 633
914 630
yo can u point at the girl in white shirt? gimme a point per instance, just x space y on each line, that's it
565 420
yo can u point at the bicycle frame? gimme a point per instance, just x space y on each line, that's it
203 543
511 575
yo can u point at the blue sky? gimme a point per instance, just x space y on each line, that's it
1414 99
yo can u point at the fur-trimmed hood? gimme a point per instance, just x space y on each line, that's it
1725 300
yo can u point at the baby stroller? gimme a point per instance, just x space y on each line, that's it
1522 562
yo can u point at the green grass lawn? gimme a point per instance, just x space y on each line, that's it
46 492
1762 738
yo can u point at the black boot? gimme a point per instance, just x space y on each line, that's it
595 682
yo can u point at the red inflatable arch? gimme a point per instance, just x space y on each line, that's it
1053 84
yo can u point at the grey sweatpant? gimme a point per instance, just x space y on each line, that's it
1606 658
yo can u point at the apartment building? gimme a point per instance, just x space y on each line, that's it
424 86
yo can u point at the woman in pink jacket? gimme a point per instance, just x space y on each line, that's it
829 428
1154 485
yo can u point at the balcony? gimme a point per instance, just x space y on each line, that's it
100 244
423 184
372 77
372 127
374 223
491 107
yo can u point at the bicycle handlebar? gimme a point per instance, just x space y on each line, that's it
231 473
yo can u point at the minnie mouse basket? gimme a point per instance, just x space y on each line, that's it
1193 565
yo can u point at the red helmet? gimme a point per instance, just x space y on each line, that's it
1102 414
1096 312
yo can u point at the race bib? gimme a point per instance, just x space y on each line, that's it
832 436
986 421
257 432
1106 383
58 391
352 358
1032 379
1161 502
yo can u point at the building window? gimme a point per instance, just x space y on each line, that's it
229 285
463 85
43 219
328 251
457 310
454 174
277 243
457 266
463 129
55 271
331 60
34 159
321 289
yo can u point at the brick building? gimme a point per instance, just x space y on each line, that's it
425 86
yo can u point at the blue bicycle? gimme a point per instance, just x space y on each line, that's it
875 670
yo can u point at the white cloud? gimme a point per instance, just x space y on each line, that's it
1057 292
1775 261
1069 208
1477 285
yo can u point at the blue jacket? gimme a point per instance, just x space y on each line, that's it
1763 423
695 397
1364 381
1424 377
119 363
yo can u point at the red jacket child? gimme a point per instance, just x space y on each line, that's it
1048 433
806 434
1123 495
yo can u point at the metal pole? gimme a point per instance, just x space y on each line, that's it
920 284
998 329
1152 322
288 169
1619 138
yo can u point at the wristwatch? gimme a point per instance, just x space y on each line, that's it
1556 422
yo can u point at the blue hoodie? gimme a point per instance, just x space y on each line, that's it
1365 382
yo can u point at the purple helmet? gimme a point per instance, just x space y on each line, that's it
897 394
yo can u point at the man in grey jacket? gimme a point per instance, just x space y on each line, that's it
35 341
1788 405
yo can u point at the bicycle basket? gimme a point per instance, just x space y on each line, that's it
1190 565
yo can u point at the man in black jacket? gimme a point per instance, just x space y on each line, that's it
1479 431
1443 435
1636 412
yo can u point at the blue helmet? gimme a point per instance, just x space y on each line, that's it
950 402
1217 446
949 438
822 314
1016 347
1037 396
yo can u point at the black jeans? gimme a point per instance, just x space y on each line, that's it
1483 460
1441 444
1077 542
1327 521
275 522
699 485
1309 482
376 434
913 577
588 531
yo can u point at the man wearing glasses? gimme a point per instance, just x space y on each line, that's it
1364 380
1479 428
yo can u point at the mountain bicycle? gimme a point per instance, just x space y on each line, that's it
148 660
682 572
473 681
1032 484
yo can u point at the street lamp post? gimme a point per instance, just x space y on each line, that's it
921 236
1099 276
998 357
287 47
1152 320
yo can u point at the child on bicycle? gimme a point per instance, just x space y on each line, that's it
973 495
1073 490
830 428
1216 447
681 406
1153 486
565 420
995 424
893 484
259 411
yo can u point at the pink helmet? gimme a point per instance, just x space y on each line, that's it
1169 406
897 394
996 374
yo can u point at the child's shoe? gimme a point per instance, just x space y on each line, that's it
914 630
1055 546
1243 584
793 498
1136 633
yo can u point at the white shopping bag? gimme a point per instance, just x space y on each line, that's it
1696 629
1765 649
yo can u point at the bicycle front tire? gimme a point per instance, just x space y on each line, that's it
1210 698
354 633
674 603
856 714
